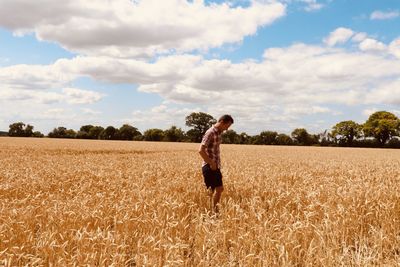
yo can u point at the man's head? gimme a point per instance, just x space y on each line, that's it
224 122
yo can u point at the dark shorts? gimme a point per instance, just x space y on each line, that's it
212 178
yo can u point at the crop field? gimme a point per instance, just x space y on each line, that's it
118 203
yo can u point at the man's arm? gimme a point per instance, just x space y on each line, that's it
203 154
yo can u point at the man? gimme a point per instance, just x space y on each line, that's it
211 168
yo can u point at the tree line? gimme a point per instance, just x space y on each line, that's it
382 129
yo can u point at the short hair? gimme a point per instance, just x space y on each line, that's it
226 118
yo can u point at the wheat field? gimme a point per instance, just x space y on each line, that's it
116 203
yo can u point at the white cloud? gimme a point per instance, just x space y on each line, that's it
41 83
161 116
367 112
359 37
339 36
372 45
34 77
312 5
394 48
125 28
382 15
7 94
315 74
300 110
288 84
90 111
55 114
308 5
68 95
388 93
78 96
26 115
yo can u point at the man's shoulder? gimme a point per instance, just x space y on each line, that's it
210 131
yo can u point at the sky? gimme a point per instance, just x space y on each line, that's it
272 65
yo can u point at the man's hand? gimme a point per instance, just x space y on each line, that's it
203 154
213 166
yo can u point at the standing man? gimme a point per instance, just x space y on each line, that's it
209 151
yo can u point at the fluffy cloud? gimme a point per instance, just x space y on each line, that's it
286 84
339 36
312 5
300 73
7 94
372 45
359 37
41 83
388 93
125 28
367 112
90 111
34 77
365 43
68 95
162 116
78 96
308 5
287 75
381 15
394 48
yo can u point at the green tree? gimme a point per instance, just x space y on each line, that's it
301 136
82 135
95 131
70 133
200 122
128 132
29 130
326 138
284 139
153 135
89 132
192 135
313 139
138 138
62 132
265 138
174 134
58 132
38 134
20 129
109 133
230 137
86 128
83 132
244 138
382 125
268 137
394 143
346 132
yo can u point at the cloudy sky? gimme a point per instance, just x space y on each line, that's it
272 65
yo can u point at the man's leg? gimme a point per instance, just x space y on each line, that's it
210 195
217 197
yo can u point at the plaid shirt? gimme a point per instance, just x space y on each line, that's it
212 140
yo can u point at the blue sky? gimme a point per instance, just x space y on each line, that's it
273 65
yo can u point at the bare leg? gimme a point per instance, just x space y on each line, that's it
210 195
217 197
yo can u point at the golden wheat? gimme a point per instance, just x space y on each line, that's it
102 203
